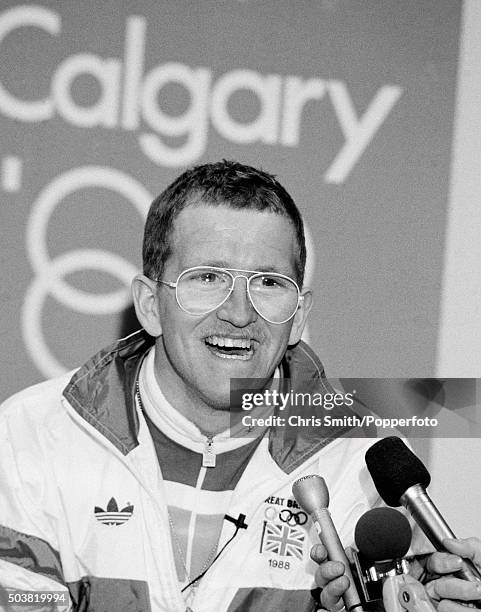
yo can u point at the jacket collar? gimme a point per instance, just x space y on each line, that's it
103 393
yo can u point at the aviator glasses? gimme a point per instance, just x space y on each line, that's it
202 289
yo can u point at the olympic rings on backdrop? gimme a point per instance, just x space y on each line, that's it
50 273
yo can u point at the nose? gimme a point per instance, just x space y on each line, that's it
237 309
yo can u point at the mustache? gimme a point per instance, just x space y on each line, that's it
253 333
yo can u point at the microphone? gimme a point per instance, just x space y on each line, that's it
312 496
383 536
401 479
239 522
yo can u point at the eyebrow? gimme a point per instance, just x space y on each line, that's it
264 270
226 266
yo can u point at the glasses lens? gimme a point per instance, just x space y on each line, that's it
202 289
274 297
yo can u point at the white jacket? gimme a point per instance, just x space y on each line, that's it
70 446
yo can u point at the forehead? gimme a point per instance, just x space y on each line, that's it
236 238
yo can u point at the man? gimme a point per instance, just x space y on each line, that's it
128 482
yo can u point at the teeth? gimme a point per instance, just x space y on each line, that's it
229 342
241 357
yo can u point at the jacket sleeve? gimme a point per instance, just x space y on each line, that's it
29 551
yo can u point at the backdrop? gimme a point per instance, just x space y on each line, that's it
365 110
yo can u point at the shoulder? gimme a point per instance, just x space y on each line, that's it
35 402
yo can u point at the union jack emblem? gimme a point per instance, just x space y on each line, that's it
282 540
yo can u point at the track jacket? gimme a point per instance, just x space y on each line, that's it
82 504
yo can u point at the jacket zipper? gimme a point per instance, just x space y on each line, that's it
208 455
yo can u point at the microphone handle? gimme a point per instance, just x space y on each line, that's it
428 517
329 537
390 594
403 592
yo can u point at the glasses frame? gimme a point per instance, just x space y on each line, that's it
253 274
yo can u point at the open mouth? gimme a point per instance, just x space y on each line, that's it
230 348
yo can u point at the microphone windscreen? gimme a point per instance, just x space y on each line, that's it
394 468
382 534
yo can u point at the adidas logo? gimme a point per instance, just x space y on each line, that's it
113 516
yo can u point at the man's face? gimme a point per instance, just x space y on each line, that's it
193 363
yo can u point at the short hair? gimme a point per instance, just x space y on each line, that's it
224 183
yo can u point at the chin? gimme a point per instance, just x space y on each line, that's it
219 402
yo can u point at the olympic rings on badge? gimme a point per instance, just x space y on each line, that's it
293 518
270 513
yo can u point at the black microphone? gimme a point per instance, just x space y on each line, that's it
239 522
401 479
312 496
383 537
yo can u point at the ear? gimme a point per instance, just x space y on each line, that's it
300 317
146 302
